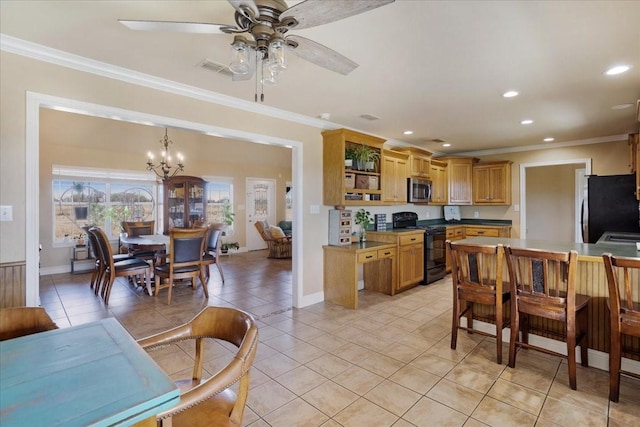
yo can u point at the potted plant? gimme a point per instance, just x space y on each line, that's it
349 157
363 218
227 218
366 157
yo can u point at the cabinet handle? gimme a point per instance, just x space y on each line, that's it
480 232
413 239
387 253
369 256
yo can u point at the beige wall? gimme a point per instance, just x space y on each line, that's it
79 140
609 158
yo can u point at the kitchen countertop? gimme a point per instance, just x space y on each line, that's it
586 251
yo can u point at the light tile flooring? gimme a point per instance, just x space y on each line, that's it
386 364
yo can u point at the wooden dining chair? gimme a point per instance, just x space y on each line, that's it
476 273
212 250
131 267
623 279
184 260
99 267
140 228
210 401
543 284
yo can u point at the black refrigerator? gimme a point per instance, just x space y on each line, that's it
610 205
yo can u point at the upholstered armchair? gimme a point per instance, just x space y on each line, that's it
278 243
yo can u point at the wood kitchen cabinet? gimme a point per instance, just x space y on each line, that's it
394 177
453 233
343 185
419 161
460 179
410 250
184 202
439 184
492 183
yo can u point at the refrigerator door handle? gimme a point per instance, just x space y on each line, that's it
584 221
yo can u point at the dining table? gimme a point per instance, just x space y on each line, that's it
94 374
157 243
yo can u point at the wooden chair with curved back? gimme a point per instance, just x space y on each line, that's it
623 279
476 273
20 321
140 228
112 269
543 284
212 250
210 401
99 268
184 260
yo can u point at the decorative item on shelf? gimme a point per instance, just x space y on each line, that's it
80 239
163 170
366 157
363 219
349 158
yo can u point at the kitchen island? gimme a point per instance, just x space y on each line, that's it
591 280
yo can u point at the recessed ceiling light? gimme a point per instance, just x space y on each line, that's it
549 139
325 116
621 106
618 69
408 132
526 122
446 144
510 94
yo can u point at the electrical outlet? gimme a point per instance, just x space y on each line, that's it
476 214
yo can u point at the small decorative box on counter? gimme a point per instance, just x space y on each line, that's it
339 227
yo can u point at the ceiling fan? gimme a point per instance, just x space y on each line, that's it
267 22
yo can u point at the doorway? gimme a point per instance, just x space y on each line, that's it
551 190
35 101
261 206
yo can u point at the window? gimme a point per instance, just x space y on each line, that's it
84 197
220 201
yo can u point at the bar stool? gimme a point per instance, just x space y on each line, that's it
625 313
476 272
543 284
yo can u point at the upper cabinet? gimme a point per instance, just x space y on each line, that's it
184 202
492 183
439 184
419 161
351 168
460 179
394 176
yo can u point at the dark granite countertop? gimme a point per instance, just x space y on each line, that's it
586 251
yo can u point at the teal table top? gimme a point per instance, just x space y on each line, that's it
589 251
88 375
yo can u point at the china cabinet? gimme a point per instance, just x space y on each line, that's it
184 202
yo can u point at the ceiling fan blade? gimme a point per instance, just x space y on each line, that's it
178 27
310 13
238 5
322 55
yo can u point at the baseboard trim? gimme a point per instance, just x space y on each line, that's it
311 299
597 359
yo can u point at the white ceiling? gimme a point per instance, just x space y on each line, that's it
437 68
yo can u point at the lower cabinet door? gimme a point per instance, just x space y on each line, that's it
410 265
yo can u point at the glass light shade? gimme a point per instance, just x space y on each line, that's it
269 76
277 55
239 57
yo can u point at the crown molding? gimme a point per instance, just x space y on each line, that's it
64 59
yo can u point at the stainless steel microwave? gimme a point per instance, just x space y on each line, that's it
418 190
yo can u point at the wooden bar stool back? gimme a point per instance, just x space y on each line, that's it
543 284
624 284
476 272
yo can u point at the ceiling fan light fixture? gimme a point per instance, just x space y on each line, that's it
239 56
277 54
269 75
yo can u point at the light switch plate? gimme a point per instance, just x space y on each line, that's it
6 213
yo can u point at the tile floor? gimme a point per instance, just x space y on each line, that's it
386 364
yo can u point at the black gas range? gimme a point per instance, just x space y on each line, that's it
434 245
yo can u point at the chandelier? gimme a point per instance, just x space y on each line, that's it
164 169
